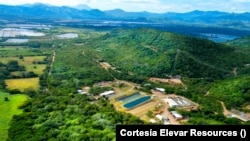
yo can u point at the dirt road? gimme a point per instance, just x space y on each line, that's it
166 113
52 62
227 113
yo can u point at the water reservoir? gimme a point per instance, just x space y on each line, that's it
130 97
137 102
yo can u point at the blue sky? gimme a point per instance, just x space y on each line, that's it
156 6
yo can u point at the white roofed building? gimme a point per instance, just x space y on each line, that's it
160 89
171 102
176 115
107 93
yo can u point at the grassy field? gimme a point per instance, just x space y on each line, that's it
29 63
30 60
37 69
23 84
11 51
7 110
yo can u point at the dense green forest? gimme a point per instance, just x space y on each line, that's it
148 52
67 117
234 92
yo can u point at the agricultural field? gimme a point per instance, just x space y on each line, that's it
23 84
15 51
37 69
29 60
8 109
30 63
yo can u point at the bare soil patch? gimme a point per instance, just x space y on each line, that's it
163 80
141 111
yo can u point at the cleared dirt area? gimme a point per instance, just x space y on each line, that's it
229 113
248 107
165 108
141 111
160 96
163 80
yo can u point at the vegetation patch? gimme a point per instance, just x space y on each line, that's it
37 69
23 84
35 64
11 51
234 92
24 61
9 106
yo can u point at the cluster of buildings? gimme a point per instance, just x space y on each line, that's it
106 93
174 102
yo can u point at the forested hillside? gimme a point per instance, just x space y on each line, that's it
150 52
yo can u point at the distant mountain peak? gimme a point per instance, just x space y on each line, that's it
35 4
82 7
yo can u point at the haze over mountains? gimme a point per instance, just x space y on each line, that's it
33 11
197 23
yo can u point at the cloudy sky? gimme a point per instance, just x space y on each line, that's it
156 6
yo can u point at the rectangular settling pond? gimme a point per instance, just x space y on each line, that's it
137 102
134 100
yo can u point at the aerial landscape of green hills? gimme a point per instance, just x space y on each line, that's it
213 75
79 73
156 53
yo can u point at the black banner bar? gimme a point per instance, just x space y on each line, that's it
193 132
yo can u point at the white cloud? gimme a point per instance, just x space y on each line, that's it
241 1
141 1
52 2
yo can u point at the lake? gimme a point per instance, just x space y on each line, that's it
67 36
219 38
15 32
17 41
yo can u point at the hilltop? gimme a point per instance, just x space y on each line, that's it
155 53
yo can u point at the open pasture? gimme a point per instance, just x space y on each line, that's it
8 109
16 51
30 63
23 84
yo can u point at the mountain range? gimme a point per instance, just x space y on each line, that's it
83 12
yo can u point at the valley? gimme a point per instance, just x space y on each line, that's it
152 76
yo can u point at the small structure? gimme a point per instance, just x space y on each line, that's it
176 115
147 84
81 92
162 119
158 112
160 89
107 93
171 102
165 121
153 121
